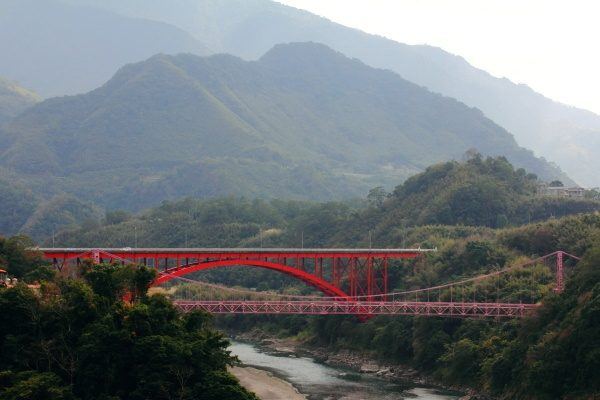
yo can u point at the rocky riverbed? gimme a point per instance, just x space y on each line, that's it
354 361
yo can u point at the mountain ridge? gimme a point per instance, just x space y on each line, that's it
566 135
60 49
14 99
203 126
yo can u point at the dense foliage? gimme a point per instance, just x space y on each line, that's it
18 205
462 196
479 192
72 339
16 259
37 215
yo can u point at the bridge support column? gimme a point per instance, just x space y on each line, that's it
560 278
385 275
370 277
96 256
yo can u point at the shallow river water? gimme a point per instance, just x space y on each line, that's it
321 382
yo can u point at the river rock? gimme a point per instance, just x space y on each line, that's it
473 395
369 368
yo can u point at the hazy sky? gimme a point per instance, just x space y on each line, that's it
553 46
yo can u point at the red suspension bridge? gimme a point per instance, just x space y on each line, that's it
353 281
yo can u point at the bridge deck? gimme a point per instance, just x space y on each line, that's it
222 253
361 308
239 250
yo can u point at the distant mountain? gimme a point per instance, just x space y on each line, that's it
303 122
14 99
57 49
248 28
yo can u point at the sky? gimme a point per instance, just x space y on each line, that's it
553 46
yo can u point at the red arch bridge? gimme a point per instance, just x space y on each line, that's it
353 281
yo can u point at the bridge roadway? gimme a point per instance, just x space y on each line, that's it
360 308
180 253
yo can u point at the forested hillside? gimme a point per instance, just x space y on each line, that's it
14 99
471 197
304 122
248 28
39 215
77 340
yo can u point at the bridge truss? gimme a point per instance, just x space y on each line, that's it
360 308
353 281
335 272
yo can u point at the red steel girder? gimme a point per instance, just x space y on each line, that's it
229 253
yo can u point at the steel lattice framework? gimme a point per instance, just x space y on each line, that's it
361 308
335 272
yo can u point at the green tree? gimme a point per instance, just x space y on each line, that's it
462 360
33 385
77 339
377 196
16 258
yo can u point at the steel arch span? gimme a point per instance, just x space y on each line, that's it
321 284
335 272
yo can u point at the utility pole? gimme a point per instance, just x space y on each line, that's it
53 241
370 239
135 236
302 239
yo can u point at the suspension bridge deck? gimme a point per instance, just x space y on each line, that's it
361 308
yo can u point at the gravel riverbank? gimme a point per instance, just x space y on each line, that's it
265 385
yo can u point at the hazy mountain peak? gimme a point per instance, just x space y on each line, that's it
300 51
566 135
187 125
14 99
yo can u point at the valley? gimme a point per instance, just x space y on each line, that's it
244 200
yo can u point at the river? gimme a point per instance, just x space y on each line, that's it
321 382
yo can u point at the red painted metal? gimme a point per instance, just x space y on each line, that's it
361 308
363 275
560 281
311 279
354 274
